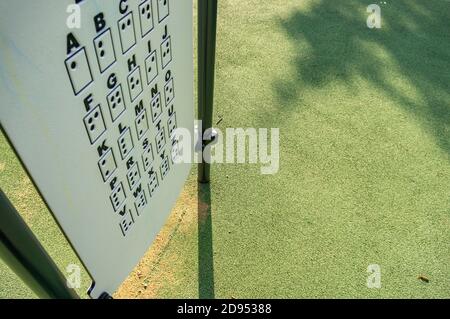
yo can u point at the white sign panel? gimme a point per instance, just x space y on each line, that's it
90 102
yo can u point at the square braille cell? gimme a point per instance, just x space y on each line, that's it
117 197
79 71
94 123
107 165
163 9
166 52
146 17
140 202
126 223
135 84
104 49
147 157
126 32
151 67
169 92
172 124
156 107
133 176
141 124
125 142
160 141
165 167
116 103
153 182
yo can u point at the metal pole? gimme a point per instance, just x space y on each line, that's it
23 253
207 26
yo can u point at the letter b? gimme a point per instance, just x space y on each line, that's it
99 21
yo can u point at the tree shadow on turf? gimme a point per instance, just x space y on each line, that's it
335 44
205 245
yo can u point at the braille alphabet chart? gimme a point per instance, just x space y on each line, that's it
91 113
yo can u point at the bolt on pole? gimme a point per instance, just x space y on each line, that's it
24 254
207 28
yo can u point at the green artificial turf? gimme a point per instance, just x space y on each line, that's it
364 119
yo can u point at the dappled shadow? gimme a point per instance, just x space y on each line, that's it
205 245
334 44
